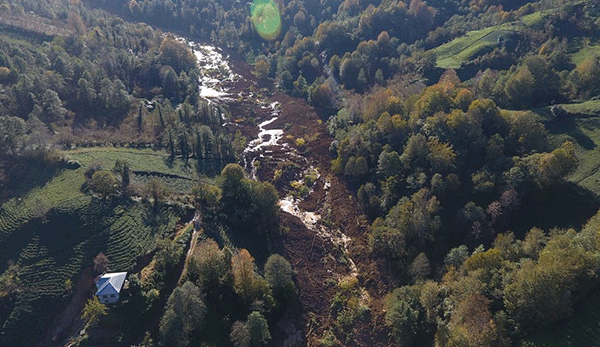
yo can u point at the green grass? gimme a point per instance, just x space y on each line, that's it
62 193
478 42
471 45
145 160
52 251
586 52
55 230
581 49
582 128
583 329
146 163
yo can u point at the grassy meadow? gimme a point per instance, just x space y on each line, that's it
471 45
582 127
479 42
144 163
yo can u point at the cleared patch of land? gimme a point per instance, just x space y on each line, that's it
584 53
479 42
144 163
55 230
471 45
146 160
581 126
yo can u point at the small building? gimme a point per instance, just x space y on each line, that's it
109 287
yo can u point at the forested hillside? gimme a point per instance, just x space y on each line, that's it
288 173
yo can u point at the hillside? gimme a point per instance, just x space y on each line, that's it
54 231
301 173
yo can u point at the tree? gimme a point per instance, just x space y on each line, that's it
555 165
433 100
236 197
9 280
155 190
403 315
265 214
472 325
169 81
52 106
519 88
105 183
184 316
244 279
177 55
261 69
101 263
420 267
86 95
463 99
12 134
208 265
300 87
441 155
321 96
416 218
93 310
356 168
122 168
527 134
278 273
240 336
231 183
206 196
286 80
415 152
140 118
258 329
135 9
168 254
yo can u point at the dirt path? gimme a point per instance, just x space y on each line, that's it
69 322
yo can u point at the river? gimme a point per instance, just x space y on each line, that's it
216 86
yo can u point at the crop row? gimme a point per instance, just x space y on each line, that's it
53 251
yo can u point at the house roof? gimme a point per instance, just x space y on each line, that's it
110 283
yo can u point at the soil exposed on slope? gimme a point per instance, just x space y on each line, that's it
318 262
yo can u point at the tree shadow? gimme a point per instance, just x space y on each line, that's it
25 176
567 125
565 205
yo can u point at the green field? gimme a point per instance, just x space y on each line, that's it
145 163
584 53
582 128
55 230
478 42
471 45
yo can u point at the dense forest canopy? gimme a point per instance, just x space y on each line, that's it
453 140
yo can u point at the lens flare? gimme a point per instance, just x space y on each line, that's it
266 18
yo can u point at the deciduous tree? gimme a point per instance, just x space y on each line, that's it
93 310
183 317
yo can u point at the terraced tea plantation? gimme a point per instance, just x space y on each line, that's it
55 231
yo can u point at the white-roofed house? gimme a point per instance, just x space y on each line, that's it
109 287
